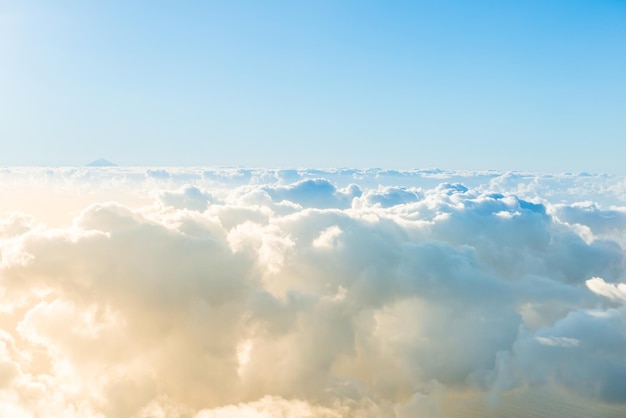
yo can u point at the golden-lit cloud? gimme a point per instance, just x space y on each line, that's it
219 296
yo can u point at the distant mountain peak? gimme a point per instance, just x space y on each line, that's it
101 162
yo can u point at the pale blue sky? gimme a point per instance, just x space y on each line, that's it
524 85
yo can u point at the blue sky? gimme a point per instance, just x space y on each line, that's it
506 85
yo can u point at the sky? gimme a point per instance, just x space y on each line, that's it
504 85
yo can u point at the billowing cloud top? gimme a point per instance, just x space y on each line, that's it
138 292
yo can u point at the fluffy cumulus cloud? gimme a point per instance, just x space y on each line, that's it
213 293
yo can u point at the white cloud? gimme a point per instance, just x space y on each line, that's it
611 291
252 293
328 238
558 341
188 197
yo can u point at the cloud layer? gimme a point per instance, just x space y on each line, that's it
304 293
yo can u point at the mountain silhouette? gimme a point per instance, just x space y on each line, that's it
101 162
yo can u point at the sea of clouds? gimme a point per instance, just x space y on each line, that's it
210 293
